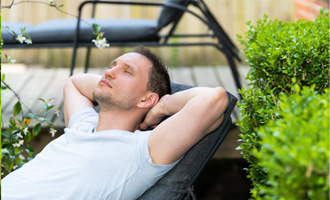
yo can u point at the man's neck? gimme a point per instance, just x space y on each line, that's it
120 120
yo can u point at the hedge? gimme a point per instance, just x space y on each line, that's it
282 56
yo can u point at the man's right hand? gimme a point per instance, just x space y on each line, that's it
78 93
154 115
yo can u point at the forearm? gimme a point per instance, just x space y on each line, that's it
201 101
85 84
193 114
78 93
171 104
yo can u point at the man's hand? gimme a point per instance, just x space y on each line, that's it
154 115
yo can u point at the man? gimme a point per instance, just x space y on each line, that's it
106 155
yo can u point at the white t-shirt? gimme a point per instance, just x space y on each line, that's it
83 164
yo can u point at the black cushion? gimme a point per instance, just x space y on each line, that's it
116 30
63 30
178 182
168 14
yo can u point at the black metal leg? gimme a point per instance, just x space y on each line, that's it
234 71
87 59
73 61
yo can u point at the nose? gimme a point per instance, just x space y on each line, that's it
110 73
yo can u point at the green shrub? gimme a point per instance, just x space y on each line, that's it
280 54
295 148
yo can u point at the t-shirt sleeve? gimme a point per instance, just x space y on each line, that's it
149 171
88 115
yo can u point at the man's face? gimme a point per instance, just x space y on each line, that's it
124 83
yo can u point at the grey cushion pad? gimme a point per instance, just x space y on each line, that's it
63 30
177 183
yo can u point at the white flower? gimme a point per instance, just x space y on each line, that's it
19 143
20 135
51 1
57 112
4 151
21 38
101 43
25 130
52 131
21 157
48 102
12 61
28 41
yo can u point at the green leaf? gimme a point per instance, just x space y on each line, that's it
12 124
17 108
5 134
49 107
29 150
97 28
42 100
27 137
30 116
22 30
48 122
36 129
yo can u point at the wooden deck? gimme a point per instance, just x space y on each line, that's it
32 83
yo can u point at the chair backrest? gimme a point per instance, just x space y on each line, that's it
168 15
178 182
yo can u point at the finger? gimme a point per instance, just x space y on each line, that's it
154 126
143 126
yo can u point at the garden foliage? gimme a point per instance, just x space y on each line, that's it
294 150
284 56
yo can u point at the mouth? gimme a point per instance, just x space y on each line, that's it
105 82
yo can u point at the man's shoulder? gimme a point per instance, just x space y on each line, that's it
87 114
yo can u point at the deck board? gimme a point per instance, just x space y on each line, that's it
205 77
34 83
182 75
11 80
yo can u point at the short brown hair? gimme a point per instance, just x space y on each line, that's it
159 79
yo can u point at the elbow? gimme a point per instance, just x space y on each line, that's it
68 84
218 103
220 99
221 95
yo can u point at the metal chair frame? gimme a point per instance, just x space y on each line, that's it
223 44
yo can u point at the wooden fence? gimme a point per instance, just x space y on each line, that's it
231 14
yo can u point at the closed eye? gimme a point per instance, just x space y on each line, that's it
113 63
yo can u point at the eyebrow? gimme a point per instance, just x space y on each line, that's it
113 62
127 65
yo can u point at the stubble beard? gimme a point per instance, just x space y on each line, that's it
108 103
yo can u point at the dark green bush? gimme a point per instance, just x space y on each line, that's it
280 54
295 148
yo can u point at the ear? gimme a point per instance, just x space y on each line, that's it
149 100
